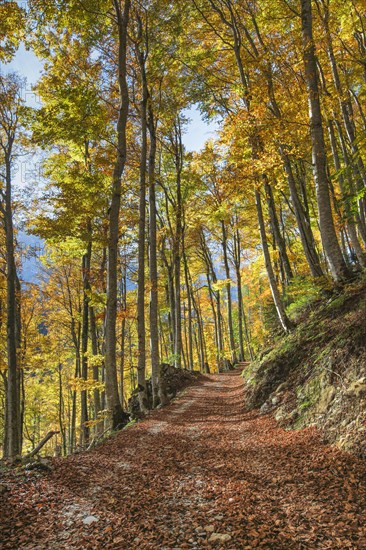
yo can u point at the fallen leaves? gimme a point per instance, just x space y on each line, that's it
210 477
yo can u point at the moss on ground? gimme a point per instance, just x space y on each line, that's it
311 370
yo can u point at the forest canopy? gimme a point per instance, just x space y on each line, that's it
152 254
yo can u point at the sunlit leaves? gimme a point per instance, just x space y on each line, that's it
12 21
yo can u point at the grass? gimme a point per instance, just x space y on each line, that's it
328 342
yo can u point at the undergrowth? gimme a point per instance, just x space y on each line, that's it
307 376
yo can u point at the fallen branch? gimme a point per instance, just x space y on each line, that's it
97 438
41 444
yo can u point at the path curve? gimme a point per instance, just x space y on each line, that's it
199 473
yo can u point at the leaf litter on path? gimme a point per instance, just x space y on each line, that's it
199 473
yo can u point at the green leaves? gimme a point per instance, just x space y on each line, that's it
12 21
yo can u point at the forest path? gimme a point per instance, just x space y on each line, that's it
199 473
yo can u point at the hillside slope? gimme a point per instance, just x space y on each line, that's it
317 374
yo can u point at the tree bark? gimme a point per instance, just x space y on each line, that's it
346 110
41 444
306 234
13 417
95 352
284 320
177 244
228 295
277 233
141 328
157 389
111 382
337 265
85 432
350 221
189 310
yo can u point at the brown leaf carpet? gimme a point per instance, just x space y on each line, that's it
195 469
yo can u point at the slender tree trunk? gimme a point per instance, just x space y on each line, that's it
351 224
177 246
359 214
214 297
185 331
346 110
95 352
141 328
284 320
306 234
201 335
123 337
157 387
189 310
228 295
218 340
201 348
12 445
247 334
85 432
337 265
72 432
111 381
236 258
61 410
171 301
280 242
164 350
21 351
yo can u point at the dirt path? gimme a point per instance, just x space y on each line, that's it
198 474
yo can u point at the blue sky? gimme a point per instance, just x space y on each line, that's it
29 66
198 131
26 64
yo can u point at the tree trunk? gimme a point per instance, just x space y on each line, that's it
178 154
157 389
359 214
351 224
306 234
95 352
280 242
85 432
228 295
61 410
171 313
111 382
214 297
141 328
123 336
237 262
189 308
201 347
12 445
337 265
72 431
284 320
347 112
201 335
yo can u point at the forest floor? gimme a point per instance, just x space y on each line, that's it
199 473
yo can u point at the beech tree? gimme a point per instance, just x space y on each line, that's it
11 110
155 254
122 14
332 250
